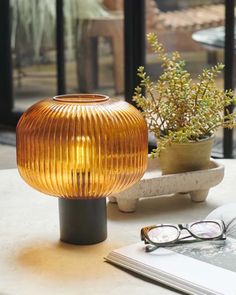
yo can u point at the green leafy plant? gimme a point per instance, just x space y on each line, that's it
178 109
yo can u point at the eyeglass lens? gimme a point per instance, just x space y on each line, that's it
206 229
163 234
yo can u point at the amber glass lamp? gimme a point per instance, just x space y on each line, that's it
81 148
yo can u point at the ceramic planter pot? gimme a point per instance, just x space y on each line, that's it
185 157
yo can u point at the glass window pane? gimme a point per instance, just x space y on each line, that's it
94 47
33 51
93 36
176 22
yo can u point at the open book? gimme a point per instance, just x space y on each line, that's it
207 267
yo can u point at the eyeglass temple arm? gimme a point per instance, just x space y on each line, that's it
227 226
143 238
150 248
185 237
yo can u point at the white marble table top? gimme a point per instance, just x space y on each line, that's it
34 261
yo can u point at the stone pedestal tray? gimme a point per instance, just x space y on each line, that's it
154 184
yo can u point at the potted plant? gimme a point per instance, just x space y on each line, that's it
183 114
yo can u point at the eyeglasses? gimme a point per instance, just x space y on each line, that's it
162 235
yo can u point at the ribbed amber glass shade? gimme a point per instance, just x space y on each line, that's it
81 146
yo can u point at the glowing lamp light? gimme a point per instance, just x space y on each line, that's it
81 148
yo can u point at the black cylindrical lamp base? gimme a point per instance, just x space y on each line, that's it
83 222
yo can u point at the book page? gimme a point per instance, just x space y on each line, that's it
227 213
179 270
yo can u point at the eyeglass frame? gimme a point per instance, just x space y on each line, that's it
182 226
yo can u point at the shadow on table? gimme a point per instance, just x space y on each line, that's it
173 206
61 260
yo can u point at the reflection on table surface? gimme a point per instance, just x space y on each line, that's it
214 37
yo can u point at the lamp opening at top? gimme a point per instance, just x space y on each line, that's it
81 98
